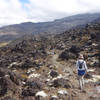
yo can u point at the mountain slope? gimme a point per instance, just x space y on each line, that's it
33 65
54 27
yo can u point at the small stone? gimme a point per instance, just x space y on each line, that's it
41 93
63 92
53 73
8 98
88 76
54 97
33 75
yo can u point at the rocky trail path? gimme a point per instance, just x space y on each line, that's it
55 62
92 84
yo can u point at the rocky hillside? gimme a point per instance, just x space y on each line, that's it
58 26
43 67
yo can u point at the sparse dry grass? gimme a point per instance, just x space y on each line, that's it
24 76
84 39
3 44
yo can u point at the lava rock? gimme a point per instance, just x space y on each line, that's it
66 55
53 73
54 97
29 92
8 98
41 95
29 98
3 87
35 85
62 83
74 49
95 62
15 78
88 76
62 94
93 36
2 72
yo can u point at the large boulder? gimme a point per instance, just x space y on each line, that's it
33 86
5 85
29 64
66 55
74 49
29 92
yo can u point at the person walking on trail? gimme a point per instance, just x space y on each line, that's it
81 70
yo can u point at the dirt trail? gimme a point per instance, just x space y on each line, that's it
54 60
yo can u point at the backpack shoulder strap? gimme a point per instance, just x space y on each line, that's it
81 62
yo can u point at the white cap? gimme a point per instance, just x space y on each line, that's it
81 56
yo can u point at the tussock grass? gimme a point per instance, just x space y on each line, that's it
2 44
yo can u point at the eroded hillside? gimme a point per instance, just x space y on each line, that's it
12 32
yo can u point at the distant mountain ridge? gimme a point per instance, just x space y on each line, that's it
11 32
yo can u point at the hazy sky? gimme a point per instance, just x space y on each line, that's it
17 11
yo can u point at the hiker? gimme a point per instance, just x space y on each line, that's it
81 69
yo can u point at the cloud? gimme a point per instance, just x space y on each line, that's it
11 12
46 10
17 11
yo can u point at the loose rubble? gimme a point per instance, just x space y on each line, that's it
43 67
